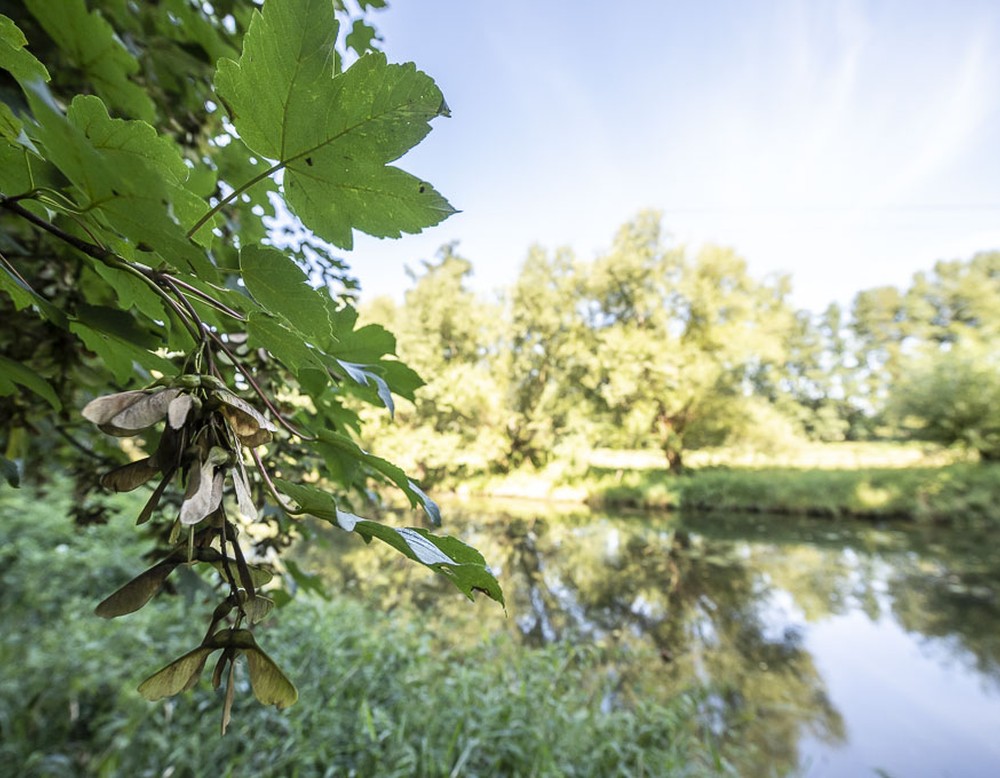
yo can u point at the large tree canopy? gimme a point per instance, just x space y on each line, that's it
158 329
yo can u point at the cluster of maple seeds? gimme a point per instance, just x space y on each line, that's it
206 425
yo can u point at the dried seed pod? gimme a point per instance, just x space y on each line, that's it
180 409
204 492
102 409
130 476
137 592
167 454
145 412
257 608
270 685
251 427
241 485
179 676
154 499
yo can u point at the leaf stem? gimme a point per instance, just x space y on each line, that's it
232 196
202 331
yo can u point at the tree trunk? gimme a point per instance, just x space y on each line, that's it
671 432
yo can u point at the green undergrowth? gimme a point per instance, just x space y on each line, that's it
380 694
960 493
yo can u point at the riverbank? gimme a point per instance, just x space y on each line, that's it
928 489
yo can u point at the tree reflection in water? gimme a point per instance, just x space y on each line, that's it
700 602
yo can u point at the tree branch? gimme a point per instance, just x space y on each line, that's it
90 249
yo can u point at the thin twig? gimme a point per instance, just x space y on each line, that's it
199 325
13 271
181 314
207 299
269 484
169 282
260 392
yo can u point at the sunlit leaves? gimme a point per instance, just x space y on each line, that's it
299 331
135 236
333 135
461 564
335 444
280 286
366 377
271 333
361 36
124 173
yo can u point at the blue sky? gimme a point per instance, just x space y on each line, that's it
847 143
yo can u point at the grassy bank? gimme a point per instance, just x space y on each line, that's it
869 481
963 494
380 694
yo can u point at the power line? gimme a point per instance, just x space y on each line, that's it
914 208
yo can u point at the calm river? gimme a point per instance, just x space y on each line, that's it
825 649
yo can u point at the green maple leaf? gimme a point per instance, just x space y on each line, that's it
280 286
361 36
333 134
129 176
92 45
449 556
14 373
15 58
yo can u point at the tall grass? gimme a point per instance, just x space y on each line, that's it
378 693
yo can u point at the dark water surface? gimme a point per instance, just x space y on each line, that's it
826 649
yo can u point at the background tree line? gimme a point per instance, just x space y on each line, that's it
655 346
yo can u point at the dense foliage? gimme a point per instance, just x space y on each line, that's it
169 173
653 346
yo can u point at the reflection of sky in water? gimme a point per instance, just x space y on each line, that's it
907 712
794 627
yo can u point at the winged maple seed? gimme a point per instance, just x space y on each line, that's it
270 685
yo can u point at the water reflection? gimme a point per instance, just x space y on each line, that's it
736 606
